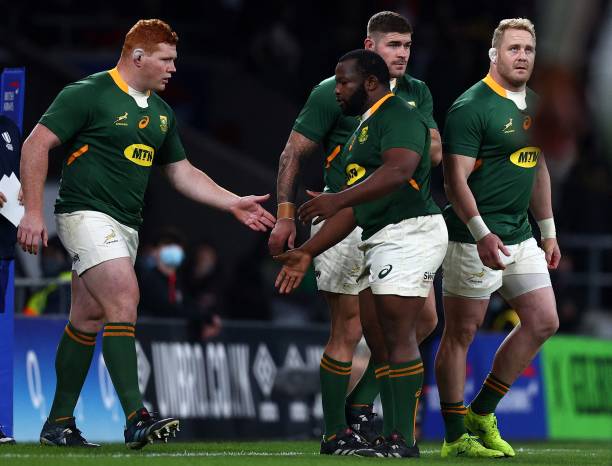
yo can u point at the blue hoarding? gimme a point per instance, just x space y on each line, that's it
98 411
521 413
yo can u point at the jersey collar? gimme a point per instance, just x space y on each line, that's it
517 97
370 111
489 81
121 84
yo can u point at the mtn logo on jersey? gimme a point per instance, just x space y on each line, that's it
354 173
526 157
140 154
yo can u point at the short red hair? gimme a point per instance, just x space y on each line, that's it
146 34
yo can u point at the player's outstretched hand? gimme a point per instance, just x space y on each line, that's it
295 264
488 250
247 210
322 206
552 251
31 229
282 233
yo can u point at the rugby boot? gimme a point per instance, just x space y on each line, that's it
468 446
346 442
362 420
396 447
485 427
63 434
148 429
5 439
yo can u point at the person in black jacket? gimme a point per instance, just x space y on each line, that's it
10 149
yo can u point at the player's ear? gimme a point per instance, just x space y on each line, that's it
368 43
137 55
371 82
493 55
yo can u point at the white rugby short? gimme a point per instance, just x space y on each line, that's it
92 237
340 268
465 275
403 258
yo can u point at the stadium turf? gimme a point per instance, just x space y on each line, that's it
282 454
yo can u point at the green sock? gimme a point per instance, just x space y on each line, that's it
119 349
366 390
72 361
454 420
381 372
491 393
335 376
406 382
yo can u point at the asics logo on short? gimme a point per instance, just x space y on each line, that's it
386 270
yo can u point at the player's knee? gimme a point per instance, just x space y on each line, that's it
346 335
463 334
546 327
353 332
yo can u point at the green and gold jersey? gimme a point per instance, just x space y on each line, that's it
483 123
390 123
112 144
321 120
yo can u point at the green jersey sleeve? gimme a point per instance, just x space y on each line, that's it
320 112
426 107
463 130
172 150
69 112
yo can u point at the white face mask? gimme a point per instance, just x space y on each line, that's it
171 255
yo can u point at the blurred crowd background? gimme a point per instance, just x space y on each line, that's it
245 68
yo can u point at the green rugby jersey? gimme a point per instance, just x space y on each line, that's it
483 123
112 144
391 123
322 121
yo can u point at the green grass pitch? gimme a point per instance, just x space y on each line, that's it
283 454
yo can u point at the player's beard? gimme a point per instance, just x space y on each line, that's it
355 105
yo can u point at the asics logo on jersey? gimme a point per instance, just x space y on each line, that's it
144 121
140 154
121 120
354 173
386 270
526 157
508 127
527 122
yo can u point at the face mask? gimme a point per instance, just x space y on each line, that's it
171 255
